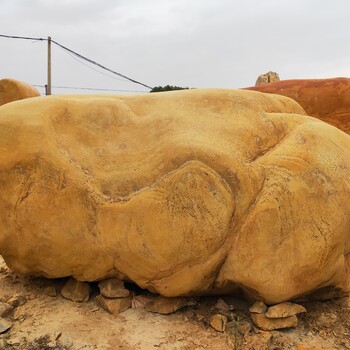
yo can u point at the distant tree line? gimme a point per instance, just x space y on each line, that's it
167 88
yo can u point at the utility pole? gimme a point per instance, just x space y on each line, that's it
48 87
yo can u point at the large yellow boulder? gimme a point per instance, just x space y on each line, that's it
13 90
187 192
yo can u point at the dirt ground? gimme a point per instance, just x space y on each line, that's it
41 321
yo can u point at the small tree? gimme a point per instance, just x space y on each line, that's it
167 88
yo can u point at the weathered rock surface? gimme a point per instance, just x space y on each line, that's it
76 290
113 288
266 78
4 325
166 306
115 305
218 322
284 310
258 308
270 324
326 99
184 193
13 90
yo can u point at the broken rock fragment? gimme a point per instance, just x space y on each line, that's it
270 324
258 307
113 288
115 305
76 291
284 310
166 306
218 322
4 325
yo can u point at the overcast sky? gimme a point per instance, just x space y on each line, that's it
192 43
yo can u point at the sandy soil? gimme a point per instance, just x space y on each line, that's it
41 321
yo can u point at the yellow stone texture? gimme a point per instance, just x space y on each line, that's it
185 193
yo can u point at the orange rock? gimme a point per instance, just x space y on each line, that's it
326 99
13 90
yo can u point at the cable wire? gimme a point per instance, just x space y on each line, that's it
78 55
89 88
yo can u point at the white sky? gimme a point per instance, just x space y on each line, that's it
194 43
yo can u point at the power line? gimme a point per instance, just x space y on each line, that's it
78 55
88 88
86 65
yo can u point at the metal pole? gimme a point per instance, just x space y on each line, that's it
48 90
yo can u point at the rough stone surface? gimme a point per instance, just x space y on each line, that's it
258 307
266 78
115 305
326 99
284 310
13 90
113 288
4 325
180 192
166 306
218 322
269 324
76 290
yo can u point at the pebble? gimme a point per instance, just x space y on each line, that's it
258 307
4 325
76 291
218 322
65 340
17 300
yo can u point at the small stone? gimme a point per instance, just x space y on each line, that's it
270 324
139 301
166 306
4 325
284 310
5 309
13 341
218 322
113 288
115 305
65 340
50 291
258 308
221 305
17 300
76 291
